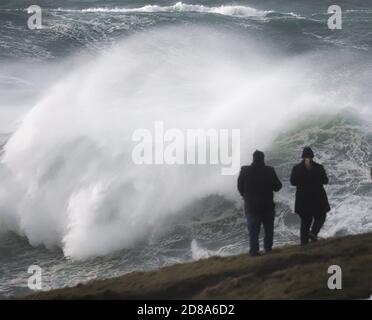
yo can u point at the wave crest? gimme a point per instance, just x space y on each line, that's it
229 10
67 175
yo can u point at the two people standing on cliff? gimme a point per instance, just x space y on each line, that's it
257 184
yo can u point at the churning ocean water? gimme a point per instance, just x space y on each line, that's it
71 94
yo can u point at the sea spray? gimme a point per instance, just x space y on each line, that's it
73 183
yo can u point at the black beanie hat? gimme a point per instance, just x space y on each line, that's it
307 153
258 156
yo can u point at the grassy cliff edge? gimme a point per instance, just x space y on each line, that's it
290 272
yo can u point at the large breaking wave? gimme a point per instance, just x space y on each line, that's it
67 176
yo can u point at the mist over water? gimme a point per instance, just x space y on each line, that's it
67 177
70 158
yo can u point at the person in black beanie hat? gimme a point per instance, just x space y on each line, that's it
311 199
256 184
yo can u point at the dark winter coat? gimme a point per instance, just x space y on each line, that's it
311 197
256 184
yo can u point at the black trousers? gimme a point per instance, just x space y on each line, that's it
255 220
310 223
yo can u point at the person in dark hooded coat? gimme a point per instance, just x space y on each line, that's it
256 184
311 199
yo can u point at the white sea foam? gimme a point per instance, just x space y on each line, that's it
198 252
229 10
67 176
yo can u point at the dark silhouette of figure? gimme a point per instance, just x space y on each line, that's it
256 184
311 199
